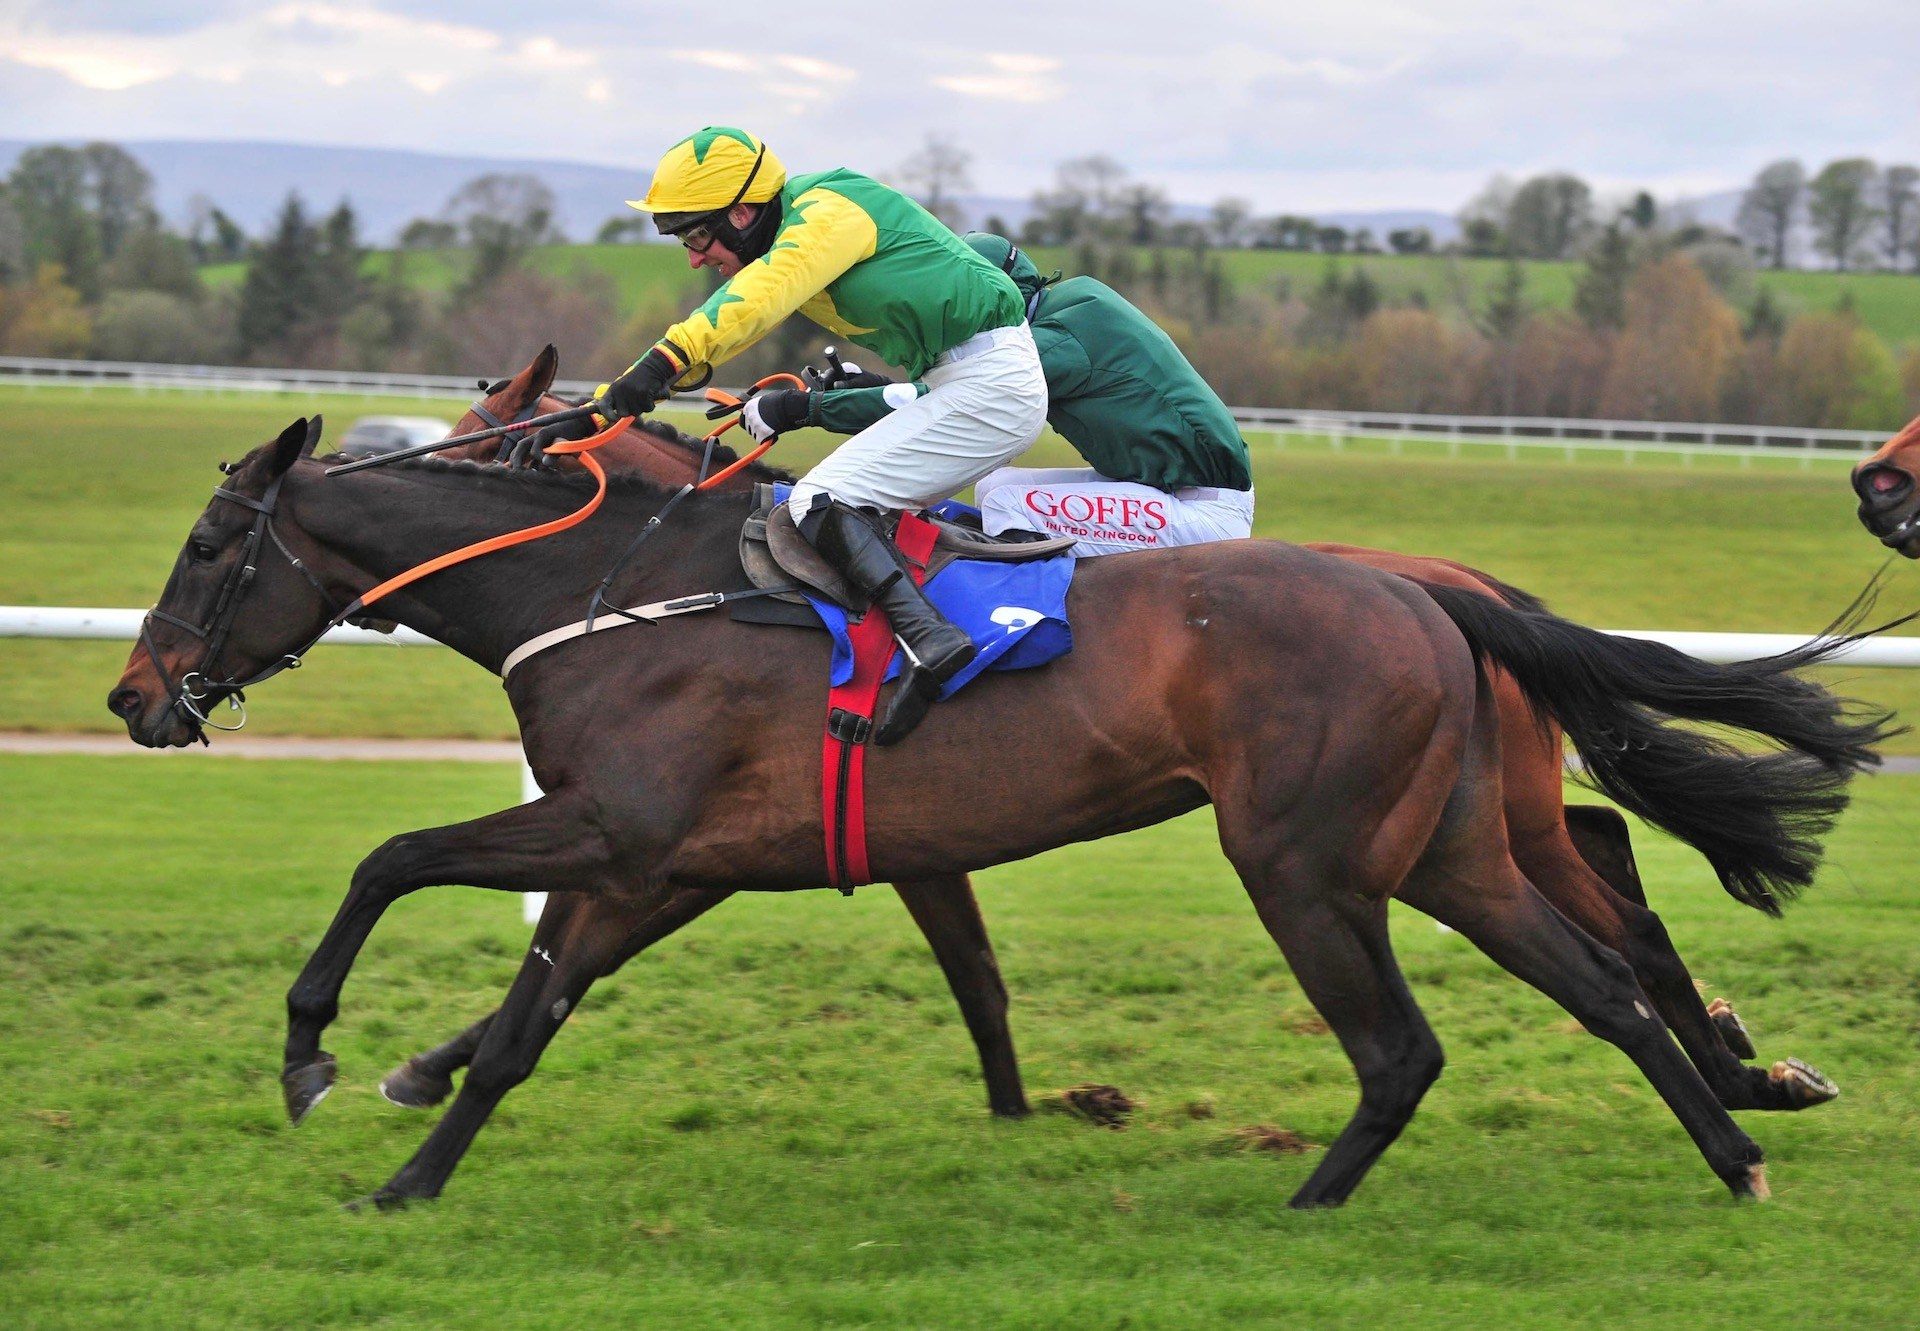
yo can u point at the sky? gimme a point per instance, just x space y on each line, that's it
1294 106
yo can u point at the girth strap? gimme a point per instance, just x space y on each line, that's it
850 708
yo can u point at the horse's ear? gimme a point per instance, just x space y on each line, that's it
293 443
540 373
313 437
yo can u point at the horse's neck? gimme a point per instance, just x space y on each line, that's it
486 607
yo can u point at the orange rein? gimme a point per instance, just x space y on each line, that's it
581 446
726 399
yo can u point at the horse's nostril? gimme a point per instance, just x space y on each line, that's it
123 703
1885 481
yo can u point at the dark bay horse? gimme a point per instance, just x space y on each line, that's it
1888 484
1335 717
1578 856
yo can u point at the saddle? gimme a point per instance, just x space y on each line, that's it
775 555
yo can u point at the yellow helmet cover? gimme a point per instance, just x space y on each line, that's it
712 169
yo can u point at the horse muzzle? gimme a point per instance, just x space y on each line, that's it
1889 506
154 721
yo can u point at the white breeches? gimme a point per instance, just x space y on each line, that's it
1109 516
986 402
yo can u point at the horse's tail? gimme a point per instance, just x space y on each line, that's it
1758 818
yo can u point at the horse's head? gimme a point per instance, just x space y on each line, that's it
505 402
1888 484
237 608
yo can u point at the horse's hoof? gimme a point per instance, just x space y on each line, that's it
411 1088
1733 1031
1802 1084
1753 1188
386 1199
307 1085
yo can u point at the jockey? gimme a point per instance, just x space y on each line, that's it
873 267
1169 465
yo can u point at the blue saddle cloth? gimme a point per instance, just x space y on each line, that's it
1015 613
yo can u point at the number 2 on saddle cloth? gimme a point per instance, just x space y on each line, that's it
850 708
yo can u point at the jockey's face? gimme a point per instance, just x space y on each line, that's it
716 255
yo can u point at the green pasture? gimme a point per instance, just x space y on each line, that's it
1888 303
100 489
776 1119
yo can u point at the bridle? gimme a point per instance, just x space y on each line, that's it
196 690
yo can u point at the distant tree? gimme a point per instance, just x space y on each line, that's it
1412 360
1770 207
281 291
996 225
500 217
1600 295
49 192
340 260
13 243
1363 241
1643 212
1548 215
120 194
1900 213
1410 240
229 240
1679 344
1228 220
44 317
428 233
1841 208
620 230
1361 295
1081 204
936 176
1285 232
1503 319
1142 211
1482 238
1765 319
151 259
154 326
1330 239
1832 373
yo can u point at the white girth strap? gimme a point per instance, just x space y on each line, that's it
609 619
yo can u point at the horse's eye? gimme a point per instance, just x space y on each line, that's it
202 553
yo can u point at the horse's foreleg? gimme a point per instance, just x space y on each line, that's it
426 1079
948 914
571 949
545 844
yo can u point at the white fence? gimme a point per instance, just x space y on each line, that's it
1514 432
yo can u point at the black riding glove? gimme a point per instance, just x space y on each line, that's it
530 450
635 392
775 411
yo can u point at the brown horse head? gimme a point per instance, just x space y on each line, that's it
235 597
1888 484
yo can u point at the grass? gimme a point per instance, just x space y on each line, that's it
776 1120
1888 303
97 515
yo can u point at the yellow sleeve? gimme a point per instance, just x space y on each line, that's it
824 235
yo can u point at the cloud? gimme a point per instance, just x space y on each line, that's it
1015 77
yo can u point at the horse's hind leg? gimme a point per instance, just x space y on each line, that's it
949 915
571 949
426 1079
1336 943
1612 908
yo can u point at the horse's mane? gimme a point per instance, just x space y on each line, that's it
723 454
524 481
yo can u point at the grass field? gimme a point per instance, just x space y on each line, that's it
1888 303
97 517
776 1119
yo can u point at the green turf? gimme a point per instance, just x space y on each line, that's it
96 519
777 1120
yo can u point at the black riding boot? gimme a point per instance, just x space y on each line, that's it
850 540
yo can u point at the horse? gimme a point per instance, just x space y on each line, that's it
1888 484
1579 856
1338 719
